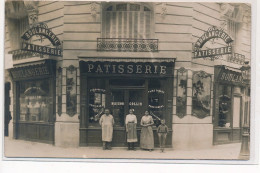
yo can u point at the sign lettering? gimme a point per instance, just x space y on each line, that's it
128 68
44 32
213 52
41 49
29 72
214 32
230 76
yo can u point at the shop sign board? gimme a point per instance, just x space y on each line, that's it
39 30
213 52
41 49
42 30
31 71
147 68
230 76
212 33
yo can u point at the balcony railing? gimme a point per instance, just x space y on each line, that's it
23 54
236 58
127 45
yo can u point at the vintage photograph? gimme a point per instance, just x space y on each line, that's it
127 80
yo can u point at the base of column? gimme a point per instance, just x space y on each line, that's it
67 134
192 136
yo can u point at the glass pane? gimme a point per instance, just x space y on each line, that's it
134 7
156 99
118 107
224 106
136 103
97 100
121 7
146 9
34 101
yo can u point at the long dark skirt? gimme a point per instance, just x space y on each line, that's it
146 139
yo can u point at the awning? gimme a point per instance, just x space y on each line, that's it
126 59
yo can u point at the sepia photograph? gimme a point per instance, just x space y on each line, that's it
148 80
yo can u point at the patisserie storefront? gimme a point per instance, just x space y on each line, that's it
121 86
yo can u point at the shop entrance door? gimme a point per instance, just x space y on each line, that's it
122 100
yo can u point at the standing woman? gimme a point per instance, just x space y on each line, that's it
146 139
130 123
107 121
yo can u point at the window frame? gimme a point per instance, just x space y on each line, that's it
142 6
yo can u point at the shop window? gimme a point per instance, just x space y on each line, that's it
35 104
224 106
124 20
156 99
97 98
181 102
201 99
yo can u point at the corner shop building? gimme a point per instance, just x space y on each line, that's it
125 56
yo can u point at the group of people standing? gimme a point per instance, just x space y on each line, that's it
146 138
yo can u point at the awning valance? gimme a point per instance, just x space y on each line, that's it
126 59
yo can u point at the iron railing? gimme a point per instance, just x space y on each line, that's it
127 45
23 54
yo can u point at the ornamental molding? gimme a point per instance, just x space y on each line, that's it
32 10
93 9
226 9
163 9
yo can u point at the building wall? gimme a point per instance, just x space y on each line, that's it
177 26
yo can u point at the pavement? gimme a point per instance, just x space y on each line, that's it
27 149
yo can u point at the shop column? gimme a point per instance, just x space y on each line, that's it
67 106
192 123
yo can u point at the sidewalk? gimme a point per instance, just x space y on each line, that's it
20 148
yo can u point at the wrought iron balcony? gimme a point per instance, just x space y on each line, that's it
236 58
23 54
127 45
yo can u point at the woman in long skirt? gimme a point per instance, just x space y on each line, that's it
130 123
146 139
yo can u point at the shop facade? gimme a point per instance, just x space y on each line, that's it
74 59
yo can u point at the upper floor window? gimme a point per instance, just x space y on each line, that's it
124 20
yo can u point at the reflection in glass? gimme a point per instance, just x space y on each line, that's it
156 99
34 101
181 101
97 100
201 87
118 107
224 106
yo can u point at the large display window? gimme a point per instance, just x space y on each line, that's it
34 101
